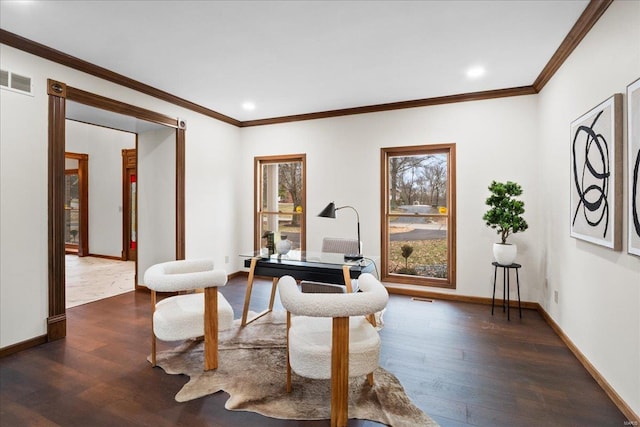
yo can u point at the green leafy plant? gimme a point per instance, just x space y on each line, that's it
505 213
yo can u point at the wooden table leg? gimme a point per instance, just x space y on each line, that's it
274 286
346 272
247 295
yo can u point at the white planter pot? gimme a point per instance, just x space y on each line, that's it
505 254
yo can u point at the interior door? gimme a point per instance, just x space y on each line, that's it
76 203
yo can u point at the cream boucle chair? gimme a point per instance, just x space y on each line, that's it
191 315
329 336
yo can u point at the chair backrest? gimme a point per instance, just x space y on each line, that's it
372 298
340 245
320 288
184 275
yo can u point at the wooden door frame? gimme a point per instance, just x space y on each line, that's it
83 182
129 161
59 93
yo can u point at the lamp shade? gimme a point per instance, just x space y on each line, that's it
329 211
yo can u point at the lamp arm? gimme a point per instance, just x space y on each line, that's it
354 209
358 221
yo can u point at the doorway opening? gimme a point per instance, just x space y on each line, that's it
98 106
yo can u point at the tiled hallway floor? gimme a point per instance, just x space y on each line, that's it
90 279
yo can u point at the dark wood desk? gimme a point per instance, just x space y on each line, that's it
312 266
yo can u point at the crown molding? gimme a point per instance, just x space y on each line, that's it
594 10
29 46
449 99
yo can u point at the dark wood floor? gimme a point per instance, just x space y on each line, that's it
459 364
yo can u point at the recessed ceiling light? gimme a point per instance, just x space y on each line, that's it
475 72
249 106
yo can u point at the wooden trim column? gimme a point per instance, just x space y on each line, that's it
180 188
57 320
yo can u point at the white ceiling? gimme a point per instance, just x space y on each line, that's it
87 114
295 57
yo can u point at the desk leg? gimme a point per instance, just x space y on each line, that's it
247 295
274 286
346 272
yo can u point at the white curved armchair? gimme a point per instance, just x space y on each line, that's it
330 338
191 315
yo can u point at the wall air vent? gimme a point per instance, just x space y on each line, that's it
15 82
4 78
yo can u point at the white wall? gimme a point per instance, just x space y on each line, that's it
156 188
104 147
211 154
23 211
495 139
598 289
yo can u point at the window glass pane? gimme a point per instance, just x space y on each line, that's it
417 180
281 186
418 246
282 227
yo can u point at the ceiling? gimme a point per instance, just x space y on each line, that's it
298 57
87 114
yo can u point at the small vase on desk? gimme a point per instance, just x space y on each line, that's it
283 246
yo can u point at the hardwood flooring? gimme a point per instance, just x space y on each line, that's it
459 364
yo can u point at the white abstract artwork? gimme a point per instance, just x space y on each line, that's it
596 170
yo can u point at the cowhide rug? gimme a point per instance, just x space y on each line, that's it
252 370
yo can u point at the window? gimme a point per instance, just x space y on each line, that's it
280 200
418 205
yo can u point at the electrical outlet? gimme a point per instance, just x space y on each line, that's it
555 296
226 259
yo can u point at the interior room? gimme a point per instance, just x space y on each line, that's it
347 100
97 264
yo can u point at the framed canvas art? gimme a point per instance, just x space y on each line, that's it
596 173
633 158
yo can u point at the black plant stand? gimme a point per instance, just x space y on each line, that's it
505 286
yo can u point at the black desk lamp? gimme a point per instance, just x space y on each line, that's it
330 212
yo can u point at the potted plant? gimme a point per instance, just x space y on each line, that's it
505 216
406 251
